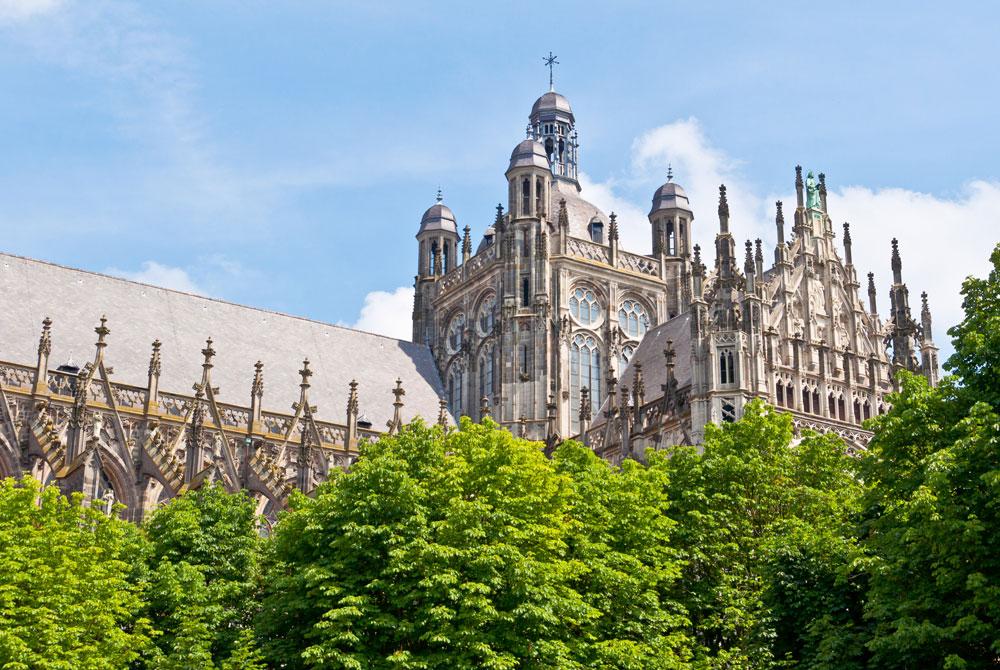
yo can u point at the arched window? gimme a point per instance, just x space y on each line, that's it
596 227
628 351
857 410
526 197
539 195
867 407
446 256
525 292
840 409
456 380
671 239
486 316
456 333
779 393
584 372
632 319
817 408
727 367
805 399
584 307
682 240
485 364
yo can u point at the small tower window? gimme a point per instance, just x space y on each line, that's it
539 195
526 197
728 411
596 229
779 393
525 293
671 239
727 369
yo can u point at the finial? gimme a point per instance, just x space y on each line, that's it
798 174
154 360
779 217
551 62
897 263
398 392
467 240
45 341
758 253
848 255
613 227
484 408
439 196
670 173
442 413
257 387
822 181
305 373
697 255
669 354
352 399
585 407
923 301
102 332
723 203
208 352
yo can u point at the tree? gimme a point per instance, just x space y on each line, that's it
764 528
204 563
932 518
467 549
69 593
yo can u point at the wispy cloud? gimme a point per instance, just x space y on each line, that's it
164 276
20 10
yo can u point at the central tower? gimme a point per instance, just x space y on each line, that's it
552 125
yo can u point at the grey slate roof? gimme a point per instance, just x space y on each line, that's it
580 211
551 103
138 313
528 153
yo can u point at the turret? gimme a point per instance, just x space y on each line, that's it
528 179
438 240
552 124
670 219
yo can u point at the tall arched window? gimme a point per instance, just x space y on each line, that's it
671 239
584 372
485 365
805 399
456 333
628 351
539 195
486 316
584 307
779 394
526 197
727 367
632 319
456 380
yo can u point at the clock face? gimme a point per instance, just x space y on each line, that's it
486 317
456 331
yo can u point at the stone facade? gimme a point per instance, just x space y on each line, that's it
554 330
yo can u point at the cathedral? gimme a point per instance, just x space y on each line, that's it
129 393
555 331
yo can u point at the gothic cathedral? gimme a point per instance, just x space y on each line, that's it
555 331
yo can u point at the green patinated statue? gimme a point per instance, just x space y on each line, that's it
812 192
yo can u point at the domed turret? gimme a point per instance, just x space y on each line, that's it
552 123
438 238
529 176
670 218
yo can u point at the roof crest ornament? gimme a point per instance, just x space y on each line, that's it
439 197
551 62
670 172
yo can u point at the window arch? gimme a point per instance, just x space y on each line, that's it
584 372
456 381
486 365
486 315
539 195
628 351
526 197
632 319
456 333
584 306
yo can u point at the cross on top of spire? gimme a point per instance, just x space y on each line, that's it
550 62
439 196
670 172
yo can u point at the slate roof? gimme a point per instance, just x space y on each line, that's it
31 290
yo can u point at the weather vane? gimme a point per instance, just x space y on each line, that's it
550 61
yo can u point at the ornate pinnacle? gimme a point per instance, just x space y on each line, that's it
638 386
613 232
154 360
822 182
102 332
758 253
723 203
397 419
442 413
780 216
467 240
585 408
257 387
45 341
484 407
748 260
669 354
897 263
798 175
499 217
522 427
398 393
208 352
352 399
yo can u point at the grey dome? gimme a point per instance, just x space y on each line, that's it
529 153
550 104
670 196
438 217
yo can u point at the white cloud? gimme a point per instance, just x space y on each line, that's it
163 276
19 10
942 239
388 313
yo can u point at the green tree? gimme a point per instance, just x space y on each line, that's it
204 563
932 510
69 591
435 551
764 528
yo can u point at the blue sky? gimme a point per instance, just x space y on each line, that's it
281 154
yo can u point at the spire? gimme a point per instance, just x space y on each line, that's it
748 266
897 263
442 413
208 352
44 349
396 423
498 220
257 386
102 332
822 191
352 414
798 187
758 257
779 222
466 243
723 210
925 319
872 309
613 232
847 244
585 413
